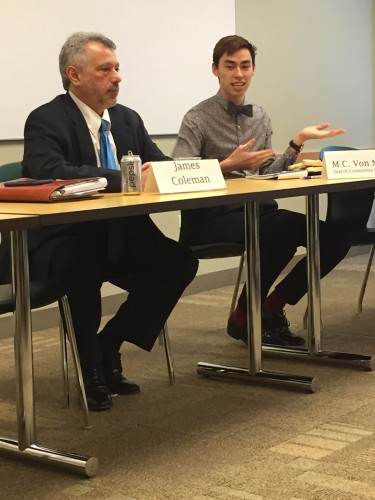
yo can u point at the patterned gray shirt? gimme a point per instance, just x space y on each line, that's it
207 130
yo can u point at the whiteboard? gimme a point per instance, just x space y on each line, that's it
164 48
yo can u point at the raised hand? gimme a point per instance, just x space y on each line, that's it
316 132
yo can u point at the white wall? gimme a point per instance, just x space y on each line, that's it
314 64
166 53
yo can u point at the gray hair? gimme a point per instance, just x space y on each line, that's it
73 51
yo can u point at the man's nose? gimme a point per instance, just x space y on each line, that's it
238 71
116 77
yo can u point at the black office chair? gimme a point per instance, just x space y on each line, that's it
10 171
43 294
188 224
350 211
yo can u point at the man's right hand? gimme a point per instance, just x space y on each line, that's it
243 159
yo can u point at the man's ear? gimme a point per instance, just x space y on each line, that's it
73 74
215 69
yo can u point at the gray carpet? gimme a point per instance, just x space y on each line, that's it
205 439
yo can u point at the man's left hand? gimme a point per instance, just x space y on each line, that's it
316 132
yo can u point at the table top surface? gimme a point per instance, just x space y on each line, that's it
112 205
18 221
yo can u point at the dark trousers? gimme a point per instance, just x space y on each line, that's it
281 232
152 268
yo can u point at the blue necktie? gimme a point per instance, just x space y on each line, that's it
115 227
107 158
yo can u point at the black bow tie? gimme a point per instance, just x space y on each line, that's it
234 109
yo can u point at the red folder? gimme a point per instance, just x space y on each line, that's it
24 189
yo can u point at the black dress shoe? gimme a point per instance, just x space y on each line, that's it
278 324
239 332
97 393
116 382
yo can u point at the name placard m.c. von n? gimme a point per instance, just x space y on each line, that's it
349 164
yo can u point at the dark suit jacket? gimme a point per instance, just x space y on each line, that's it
58 145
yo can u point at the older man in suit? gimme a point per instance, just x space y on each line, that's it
62 141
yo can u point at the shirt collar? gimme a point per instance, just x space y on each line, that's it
92 118
224 103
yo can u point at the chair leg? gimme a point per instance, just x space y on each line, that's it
237 285
167 346
365 278
64 363
305 319
68 327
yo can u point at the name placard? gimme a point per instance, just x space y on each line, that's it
349 164
182 176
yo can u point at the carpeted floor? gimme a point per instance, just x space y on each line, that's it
205 439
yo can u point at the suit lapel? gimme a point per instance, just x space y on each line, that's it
119 132
85 145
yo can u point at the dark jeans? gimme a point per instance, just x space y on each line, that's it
153 269
281 232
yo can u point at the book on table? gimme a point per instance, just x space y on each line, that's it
49 190
284 174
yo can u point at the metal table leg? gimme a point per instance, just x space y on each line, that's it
25 446
23 341
314 351
254 374
87 466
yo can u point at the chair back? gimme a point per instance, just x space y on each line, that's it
348 210
10 171
189 236
189 227
5 258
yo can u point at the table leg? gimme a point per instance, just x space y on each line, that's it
87 466
23 341
254 374
25 446
314 351
314 321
